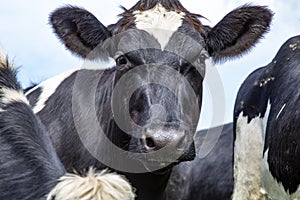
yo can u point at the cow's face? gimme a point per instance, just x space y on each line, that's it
161 84
160 50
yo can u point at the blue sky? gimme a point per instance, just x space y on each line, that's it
28 40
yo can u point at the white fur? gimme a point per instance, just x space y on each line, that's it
265 120
48 88
2 55
253 179
99 64
159 22
280 111
273 189
11 95
296 195
95 186
247 159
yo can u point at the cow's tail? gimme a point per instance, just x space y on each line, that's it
98 186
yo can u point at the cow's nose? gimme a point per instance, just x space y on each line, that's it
155 138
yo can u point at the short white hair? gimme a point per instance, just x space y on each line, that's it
103 185
2 55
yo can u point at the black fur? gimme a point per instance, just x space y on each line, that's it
36 93
31 86
278 82
208 178
134 49
80 31
236 33
29 166
233 36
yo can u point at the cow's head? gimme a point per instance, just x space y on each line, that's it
160 50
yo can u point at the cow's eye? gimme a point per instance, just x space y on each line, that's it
121 60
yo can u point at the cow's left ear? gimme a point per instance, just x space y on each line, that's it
79 30
238 31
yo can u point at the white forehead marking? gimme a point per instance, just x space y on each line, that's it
159 22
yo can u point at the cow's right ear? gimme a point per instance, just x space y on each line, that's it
79 30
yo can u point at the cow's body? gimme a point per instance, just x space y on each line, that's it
208 177
29 166
148 104
267 129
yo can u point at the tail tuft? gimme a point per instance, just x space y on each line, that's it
94 186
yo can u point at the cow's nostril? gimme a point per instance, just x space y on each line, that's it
150 144
157 138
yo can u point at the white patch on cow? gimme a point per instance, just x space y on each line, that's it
99 64
294 46
159 22
96 186
12 95
2 55
265 119
296 195
247 159
280 111
274 190
48 88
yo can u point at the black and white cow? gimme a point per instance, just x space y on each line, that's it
266 118
29 166
140 115
208 177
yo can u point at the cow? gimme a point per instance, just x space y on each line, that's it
266 129
29 166
139 116
208 177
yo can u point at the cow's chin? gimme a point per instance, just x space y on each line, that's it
159 168
164 167
160 163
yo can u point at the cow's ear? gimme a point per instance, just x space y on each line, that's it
238 31
78 29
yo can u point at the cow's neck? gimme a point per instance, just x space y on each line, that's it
149 186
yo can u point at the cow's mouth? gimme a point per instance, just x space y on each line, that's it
163 160
159 167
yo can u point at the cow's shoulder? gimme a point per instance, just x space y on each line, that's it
253 95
